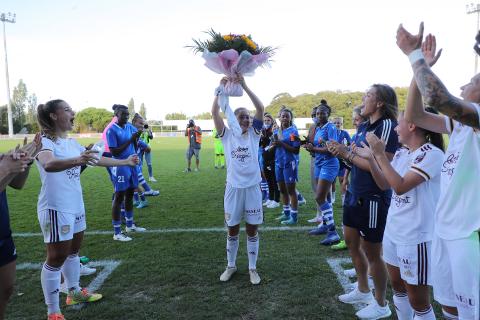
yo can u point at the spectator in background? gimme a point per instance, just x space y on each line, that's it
146 136
194 136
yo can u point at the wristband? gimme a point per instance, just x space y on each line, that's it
415 55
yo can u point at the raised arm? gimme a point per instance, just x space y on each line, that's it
217 119
431 87
259 108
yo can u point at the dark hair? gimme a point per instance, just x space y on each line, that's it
387 95
286 109
136 116
358 110
323 104
434 138
43 116
118 107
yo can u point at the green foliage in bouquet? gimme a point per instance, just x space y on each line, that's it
238 42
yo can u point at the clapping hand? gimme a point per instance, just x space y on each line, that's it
15 161
88 158
31 149
376 145
363 152
408 42
133 160
429 46
337 149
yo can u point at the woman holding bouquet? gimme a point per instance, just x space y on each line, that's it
243 198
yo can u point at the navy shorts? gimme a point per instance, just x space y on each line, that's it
124 178
288 174
8 253
366 214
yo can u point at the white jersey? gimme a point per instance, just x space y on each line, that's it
458 209
241 154
410 217
61 191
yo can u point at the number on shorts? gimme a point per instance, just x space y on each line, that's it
121 179
113 170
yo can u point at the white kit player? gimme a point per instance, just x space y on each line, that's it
456 247
243 197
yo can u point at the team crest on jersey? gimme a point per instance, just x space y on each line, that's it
407 273
227 216
65 229
419 158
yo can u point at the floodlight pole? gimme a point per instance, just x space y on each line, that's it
475 8
11 19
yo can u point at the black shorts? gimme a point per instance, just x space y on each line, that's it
366 214
7 251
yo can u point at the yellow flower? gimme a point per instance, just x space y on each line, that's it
227 37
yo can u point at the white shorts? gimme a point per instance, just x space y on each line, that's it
59 226
456 275
243 203
414 261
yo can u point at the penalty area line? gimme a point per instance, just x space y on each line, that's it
174 230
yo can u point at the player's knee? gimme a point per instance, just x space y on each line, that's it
6 292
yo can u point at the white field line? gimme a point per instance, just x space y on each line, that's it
336 266
108 266
173 230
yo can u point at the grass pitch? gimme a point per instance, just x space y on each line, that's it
174 274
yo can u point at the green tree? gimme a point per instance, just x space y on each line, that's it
92 120
131 107
203 116
176 116
143 111
19 102
3 120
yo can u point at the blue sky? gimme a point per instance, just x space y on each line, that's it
97 53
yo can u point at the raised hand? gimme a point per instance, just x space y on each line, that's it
363 152
429 46
32 148
408 42
376 145
337 149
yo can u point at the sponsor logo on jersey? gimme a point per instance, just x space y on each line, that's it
467 301
419 158
73 173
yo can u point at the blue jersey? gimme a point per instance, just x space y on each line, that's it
323 134
290 137
117 136
344 137
5 231
362 183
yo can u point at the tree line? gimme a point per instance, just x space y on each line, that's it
341 102
24 114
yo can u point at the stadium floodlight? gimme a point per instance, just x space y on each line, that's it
10 19
475 8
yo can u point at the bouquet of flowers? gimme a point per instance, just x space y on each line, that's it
232 54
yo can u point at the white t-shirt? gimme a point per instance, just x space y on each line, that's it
61 191
410 217
241 153
458 210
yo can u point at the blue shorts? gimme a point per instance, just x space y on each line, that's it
7 251
124 178
367 214
328 170
288 174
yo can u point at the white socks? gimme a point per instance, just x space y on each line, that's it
402 306
50 278
71 272
232 249
252 249
425 315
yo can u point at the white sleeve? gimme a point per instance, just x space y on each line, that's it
225 134
428 164
47 145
